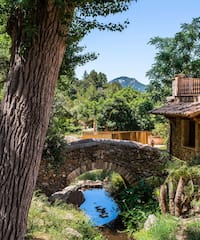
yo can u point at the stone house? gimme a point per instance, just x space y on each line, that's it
183 112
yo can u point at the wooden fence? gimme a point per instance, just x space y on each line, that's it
138 136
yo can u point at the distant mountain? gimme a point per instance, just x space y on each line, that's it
129 82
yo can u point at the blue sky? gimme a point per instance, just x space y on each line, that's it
128 53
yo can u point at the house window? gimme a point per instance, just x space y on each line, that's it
189 133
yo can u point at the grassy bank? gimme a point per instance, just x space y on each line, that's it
168 227
58 221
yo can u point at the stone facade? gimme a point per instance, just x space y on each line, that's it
130 159
178 148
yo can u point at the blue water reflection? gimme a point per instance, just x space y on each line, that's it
99 206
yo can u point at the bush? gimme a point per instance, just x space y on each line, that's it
136 203
117 182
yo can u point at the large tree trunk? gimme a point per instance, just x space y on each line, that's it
24 116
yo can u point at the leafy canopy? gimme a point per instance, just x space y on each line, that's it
178 54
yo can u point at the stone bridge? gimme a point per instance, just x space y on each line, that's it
130 159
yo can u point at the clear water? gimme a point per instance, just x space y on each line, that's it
99 206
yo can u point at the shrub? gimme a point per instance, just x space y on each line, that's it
136 203
117 182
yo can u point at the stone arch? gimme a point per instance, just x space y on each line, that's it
104 166
130 159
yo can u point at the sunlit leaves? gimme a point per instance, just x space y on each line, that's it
178 54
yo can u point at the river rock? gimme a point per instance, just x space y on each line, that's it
73 193
151 220
74 233
70 194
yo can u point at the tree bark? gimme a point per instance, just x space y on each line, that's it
178 197
163 199
171 197
24 117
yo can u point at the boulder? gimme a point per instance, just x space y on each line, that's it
70 194
76 198
74 233
151 220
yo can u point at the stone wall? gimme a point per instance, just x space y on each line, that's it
178 149
130 159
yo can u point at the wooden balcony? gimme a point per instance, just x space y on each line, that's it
186 87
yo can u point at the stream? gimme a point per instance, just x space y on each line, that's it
101 208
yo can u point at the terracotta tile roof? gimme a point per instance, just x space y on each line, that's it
182 109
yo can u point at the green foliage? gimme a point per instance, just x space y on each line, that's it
182 188
179 54
134 218
116 114
74 57
141 107
94 175
28 14
61 122
188 170
5 44
193 230
54 221
164 229
136 203
161 130
117 183
54 150
111 107
141 193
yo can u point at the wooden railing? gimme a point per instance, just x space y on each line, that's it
138 136
186 87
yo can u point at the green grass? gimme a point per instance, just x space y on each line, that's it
164 229
58 221
193 230
94 175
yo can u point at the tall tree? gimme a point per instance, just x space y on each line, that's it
40 32
116 114
178 54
